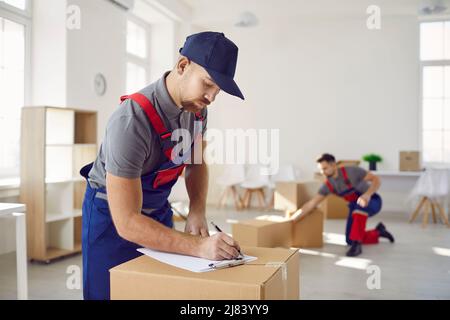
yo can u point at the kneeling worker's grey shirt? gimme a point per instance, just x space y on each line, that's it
356 176
131 146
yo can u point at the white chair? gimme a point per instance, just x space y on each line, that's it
231 178
432 187
255 182
285 173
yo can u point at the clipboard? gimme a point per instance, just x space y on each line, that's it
226 264
193 264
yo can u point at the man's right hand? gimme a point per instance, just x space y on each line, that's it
219 247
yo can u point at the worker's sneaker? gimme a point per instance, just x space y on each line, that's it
355 249
384 233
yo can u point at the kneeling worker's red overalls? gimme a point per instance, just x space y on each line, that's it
357 215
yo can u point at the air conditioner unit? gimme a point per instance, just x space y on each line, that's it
124 4
430 7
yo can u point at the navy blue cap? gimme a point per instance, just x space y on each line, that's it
218 55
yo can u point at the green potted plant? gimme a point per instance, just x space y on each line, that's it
372 159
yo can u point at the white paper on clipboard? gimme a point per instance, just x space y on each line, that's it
190 263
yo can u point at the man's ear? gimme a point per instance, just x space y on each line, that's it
182 65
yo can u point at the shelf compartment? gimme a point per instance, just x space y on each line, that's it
59 201
60 234
58 163
77 225
85 127
59 126
82 155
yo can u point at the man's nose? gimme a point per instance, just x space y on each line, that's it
211 96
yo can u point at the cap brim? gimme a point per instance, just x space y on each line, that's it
225 83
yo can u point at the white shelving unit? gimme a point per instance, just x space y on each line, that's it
56 143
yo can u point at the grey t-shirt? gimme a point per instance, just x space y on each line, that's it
356 176
131 146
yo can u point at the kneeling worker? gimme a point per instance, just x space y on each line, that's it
352 184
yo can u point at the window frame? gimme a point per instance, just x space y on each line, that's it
16 11
141 62
22 17
423 64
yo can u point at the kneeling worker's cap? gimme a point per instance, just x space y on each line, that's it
218 55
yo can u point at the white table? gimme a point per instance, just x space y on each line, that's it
396 187
398 173
18 212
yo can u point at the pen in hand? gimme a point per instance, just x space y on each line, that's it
219 230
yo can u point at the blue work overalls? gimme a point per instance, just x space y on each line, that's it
102 247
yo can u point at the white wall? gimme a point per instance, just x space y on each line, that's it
329 84
97 47
49 53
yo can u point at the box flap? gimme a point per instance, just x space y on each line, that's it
257 223
276 255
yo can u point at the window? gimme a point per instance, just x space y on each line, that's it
19 4
435 65
137 52
14 30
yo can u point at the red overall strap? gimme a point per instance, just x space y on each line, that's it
199 116
329 185
346 179
154 118
353 196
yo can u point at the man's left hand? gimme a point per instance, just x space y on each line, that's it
196 224
363 200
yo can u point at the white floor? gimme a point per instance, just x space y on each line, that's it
417 266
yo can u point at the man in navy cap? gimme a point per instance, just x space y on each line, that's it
125 205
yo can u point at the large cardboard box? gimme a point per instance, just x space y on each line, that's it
273 276
319 177
308 231
264 231
334 207
409 161
291 196
275 231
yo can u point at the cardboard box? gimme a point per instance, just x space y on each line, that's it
273 276
410 161
291 196
275 231
319 177
334 207
348 163
264 231
308 231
